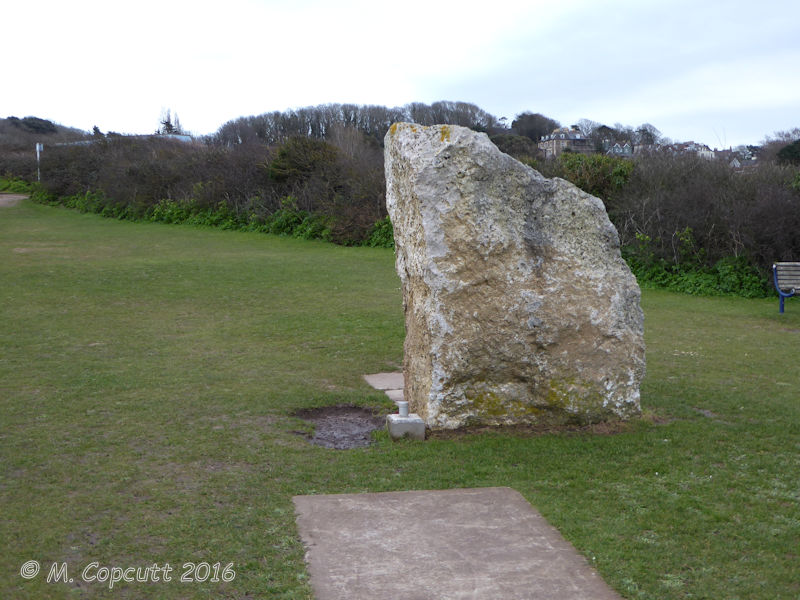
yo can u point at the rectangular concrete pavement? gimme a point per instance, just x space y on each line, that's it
486 543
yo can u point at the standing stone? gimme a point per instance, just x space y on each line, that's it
518 305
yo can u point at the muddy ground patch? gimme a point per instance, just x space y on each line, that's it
341 427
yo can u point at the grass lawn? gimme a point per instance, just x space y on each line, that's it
148 376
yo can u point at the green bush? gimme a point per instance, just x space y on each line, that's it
171 211
313 227
597 174
790 154
381 235
41 196
15 185
284 221
296 223
730 276
737 277
795 182
90 202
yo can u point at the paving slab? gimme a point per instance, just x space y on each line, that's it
386 381
395 395
440 545
7 200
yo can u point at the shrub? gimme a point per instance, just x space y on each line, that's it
597 174
170 211
15 185
736 276
86 202
701 211
313 227
381 235
519 146
730 276
790 154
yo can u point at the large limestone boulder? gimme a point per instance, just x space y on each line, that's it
518 305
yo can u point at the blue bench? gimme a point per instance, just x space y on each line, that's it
787 279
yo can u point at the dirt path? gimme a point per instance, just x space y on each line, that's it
10 199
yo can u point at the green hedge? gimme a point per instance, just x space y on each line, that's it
732 276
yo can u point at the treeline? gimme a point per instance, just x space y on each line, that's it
18 137
322 164
136 178
685 222
692 224
323 122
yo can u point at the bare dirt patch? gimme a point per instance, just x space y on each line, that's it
341 427
10 199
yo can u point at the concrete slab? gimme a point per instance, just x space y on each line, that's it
440 545
386 381
410 426
395 395
8 200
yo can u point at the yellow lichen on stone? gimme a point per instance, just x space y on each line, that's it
558 395
393 128
488 403
445 133
487 406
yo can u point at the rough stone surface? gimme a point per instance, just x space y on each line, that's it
518 305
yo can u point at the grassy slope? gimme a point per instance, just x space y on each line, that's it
148 374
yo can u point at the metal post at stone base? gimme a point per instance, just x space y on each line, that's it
39 148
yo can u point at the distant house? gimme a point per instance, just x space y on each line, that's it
738 158
565 140
623 150
706 153
700 150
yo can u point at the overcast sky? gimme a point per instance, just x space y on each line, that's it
718 72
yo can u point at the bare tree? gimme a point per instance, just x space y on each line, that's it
646 135
772 144
587 127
